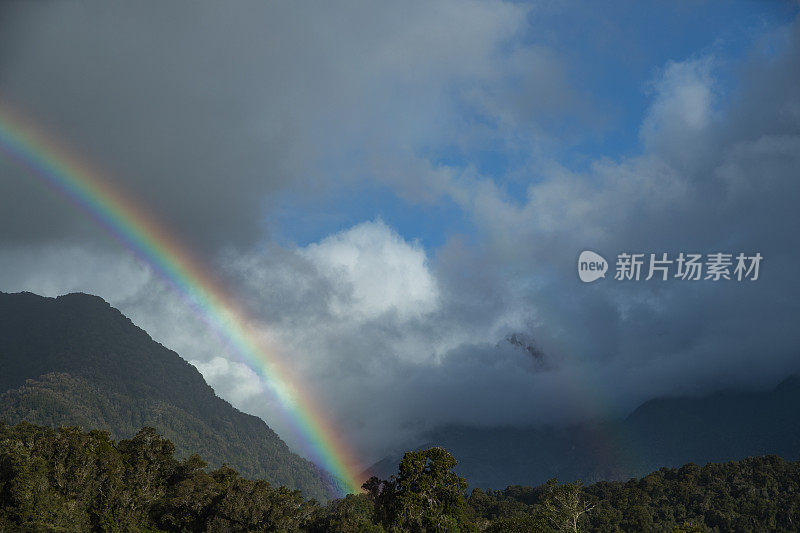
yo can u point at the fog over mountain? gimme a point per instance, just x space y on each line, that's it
396 190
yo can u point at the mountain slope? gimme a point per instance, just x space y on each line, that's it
719 427
75 360
667 432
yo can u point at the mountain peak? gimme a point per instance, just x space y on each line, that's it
76 360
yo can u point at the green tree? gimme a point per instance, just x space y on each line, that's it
355 512
689 527
426 495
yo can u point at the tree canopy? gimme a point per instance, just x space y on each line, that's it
67 479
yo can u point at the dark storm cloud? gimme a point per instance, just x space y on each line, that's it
206 111
168 101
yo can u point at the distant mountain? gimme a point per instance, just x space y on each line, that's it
75 360
666 432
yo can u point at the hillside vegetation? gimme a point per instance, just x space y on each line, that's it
76 361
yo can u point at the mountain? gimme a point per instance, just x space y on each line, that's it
75 360
664 432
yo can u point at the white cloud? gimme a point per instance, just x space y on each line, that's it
62 268
239 382
682 108
374 271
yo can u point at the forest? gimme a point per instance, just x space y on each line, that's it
67 479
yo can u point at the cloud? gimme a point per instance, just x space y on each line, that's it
682 107
237 379
64 268
382 272
712 176
210 115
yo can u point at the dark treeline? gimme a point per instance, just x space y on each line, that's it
71 480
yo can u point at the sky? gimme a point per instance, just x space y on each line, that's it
395 190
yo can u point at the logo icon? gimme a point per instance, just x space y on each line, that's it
591 266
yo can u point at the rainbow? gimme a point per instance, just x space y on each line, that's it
137 230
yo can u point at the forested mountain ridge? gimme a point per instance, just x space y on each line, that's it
724 426
75 360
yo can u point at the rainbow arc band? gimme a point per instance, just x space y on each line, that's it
131 225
